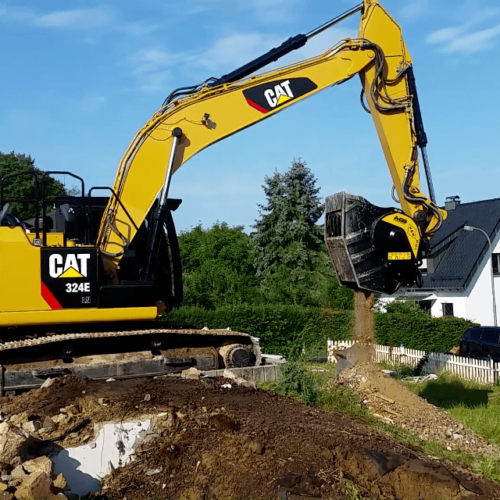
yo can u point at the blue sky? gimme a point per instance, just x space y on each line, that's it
79 78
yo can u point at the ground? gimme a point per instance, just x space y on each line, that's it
240 443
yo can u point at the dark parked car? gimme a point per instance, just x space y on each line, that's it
481 342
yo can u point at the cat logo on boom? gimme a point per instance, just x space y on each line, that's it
272 95
69 266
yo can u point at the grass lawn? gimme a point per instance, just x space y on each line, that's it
476 407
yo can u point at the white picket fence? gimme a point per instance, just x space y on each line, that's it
481 370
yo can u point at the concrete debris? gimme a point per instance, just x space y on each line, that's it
60 482
111 380
165 420
48 425
31 426
152 472
12 442
40 464
191 373
18 473
36 485
72 410
48 382
423 378
19 419
225 386
239 380
147 397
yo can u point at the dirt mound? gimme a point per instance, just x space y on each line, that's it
239 443
389 400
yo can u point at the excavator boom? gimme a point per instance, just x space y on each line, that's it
188 122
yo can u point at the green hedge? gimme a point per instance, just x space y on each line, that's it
420 332
281 329
286 329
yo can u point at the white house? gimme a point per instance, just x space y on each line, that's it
457 272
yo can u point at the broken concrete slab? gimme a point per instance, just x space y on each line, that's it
191 374
239 380
12 441
40 464
31 426
36 485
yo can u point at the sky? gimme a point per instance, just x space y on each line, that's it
81 77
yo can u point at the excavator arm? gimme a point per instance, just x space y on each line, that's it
190 121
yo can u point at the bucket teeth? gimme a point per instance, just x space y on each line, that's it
358 260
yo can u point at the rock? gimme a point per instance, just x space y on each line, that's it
5 495
192 373
18 473
48 424
238 380
166 420
225 386
152 472
16 461
37 485
61 418
15 482
31 426
3 486
19 419
48 382
457 436
72 410
147 397
40 464
60 482
12 441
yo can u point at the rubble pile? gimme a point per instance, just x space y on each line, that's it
388 400
211 438
23 479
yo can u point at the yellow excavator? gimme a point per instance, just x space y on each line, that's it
77 289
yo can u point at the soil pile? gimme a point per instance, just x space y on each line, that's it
210 441
388 399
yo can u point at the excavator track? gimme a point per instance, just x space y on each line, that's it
26 362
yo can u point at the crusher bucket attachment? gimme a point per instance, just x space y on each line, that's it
372 248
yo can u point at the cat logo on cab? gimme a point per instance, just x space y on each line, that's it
68 266
69 277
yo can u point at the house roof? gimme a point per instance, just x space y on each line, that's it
456 253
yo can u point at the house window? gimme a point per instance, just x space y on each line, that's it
496 263
447 309
425 305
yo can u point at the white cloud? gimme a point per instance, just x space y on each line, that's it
151 68
445 35
97 18
466 38
472 42
77 18
414 10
